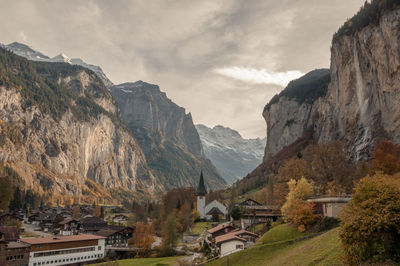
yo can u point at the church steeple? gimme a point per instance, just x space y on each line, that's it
201 189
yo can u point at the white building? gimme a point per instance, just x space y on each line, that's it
65 250
330 206
205 211
229 243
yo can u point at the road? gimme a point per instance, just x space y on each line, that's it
30 228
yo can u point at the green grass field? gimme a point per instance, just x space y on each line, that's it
274 248
199 227
282 232
143 262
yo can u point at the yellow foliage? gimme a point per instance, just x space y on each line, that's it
298 192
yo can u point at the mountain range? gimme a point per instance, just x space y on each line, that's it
233 156
83 106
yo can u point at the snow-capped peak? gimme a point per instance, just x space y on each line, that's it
232 155
31 54
61 58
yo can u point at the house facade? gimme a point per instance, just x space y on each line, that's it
254 212
64 250
230 244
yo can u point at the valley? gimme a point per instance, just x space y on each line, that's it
101 172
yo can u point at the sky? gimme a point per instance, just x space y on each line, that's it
220 60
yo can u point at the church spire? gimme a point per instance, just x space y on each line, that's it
201 189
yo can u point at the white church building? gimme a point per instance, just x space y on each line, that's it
207 211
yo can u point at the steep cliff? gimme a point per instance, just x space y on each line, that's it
361 103
166 134
233 156
60 131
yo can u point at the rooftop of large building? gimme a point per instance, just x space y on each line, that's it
60 239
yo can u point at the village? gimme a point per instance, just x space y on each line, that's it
83 234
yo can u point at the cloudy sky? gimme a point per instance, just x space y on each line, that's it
221 60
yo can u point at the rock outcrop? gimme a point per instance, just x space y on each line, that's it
233 156
361 103
60 131
166 134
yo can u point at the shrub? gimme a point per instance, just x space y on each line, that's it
370 228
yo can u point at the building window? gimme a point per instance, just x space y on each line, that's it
99 248
239 246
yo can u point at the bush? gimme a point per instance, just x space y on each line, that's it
370 228
325 224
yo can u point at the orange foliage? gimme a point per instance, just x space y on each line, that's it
386 158
142 238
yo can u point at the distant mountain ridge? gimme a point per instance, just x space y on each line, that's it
31 54
233 156
166 134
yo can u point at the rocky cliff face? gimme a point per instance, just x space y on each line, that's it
166 134
361 102
61 133
289 114
233 156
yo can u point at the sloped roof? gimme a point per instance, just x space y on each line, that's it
201 189
234 235
67 220
106 232
93 221
220 227
249 201
214 210
228 237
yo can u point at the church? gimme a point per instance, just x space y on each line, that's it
214 207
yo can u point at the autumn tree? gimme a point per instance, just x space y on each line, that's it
142 238
169 235
185 217
296 209
370 228
386 158
330 168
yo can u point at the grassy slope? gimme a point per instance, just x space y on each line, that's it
279 233
199 227
146 261
273 250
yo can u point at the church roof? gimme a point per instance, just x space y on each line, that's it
201 189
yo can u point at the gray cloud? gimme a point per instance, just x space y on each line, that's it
179 44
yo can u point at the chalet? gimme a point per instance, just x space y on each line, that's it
92 224
62 250
254 212
218 230
329 206
234 241
68 227
228 244
115 237
10 217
